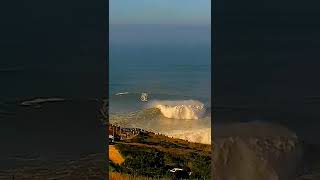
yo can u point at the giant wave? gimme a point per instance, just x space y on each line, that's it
166 117
181 109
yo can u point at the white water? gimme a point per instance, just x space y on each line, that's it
195 135
121 93
182 119
181 109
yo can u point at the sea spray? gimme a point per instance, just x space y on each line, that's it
180 109
202 135
153 119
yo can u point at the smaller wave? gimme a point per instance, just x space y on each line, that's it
38 101
181 109
121 93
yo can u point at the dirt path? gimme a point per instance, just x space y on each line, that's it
114 155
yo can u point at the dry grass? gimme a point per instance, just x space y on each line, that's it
172 152
118 176
115 156
167 144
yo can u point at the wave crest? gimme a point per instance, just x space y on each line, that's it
182 109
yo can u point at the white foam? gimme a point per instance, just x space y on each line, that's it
181 109
195 135
122 93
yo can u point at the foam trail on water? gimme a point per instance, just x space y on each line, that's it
181 109
121 93
40 100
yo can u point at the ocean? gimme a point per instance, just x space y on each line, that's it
172 64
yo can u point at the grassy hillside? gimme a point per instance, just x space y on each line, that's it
152 155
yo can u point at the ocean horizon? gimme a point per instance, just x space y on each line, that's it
172 64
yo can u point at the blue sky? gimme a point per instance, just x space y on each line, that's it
159 11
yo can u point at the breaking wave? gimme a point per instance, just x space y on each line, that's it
152 119
181 109
167 117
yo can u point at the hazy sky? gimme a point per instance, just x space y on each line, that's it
159 11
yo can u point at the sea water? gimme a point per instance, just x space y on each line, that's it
172 63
